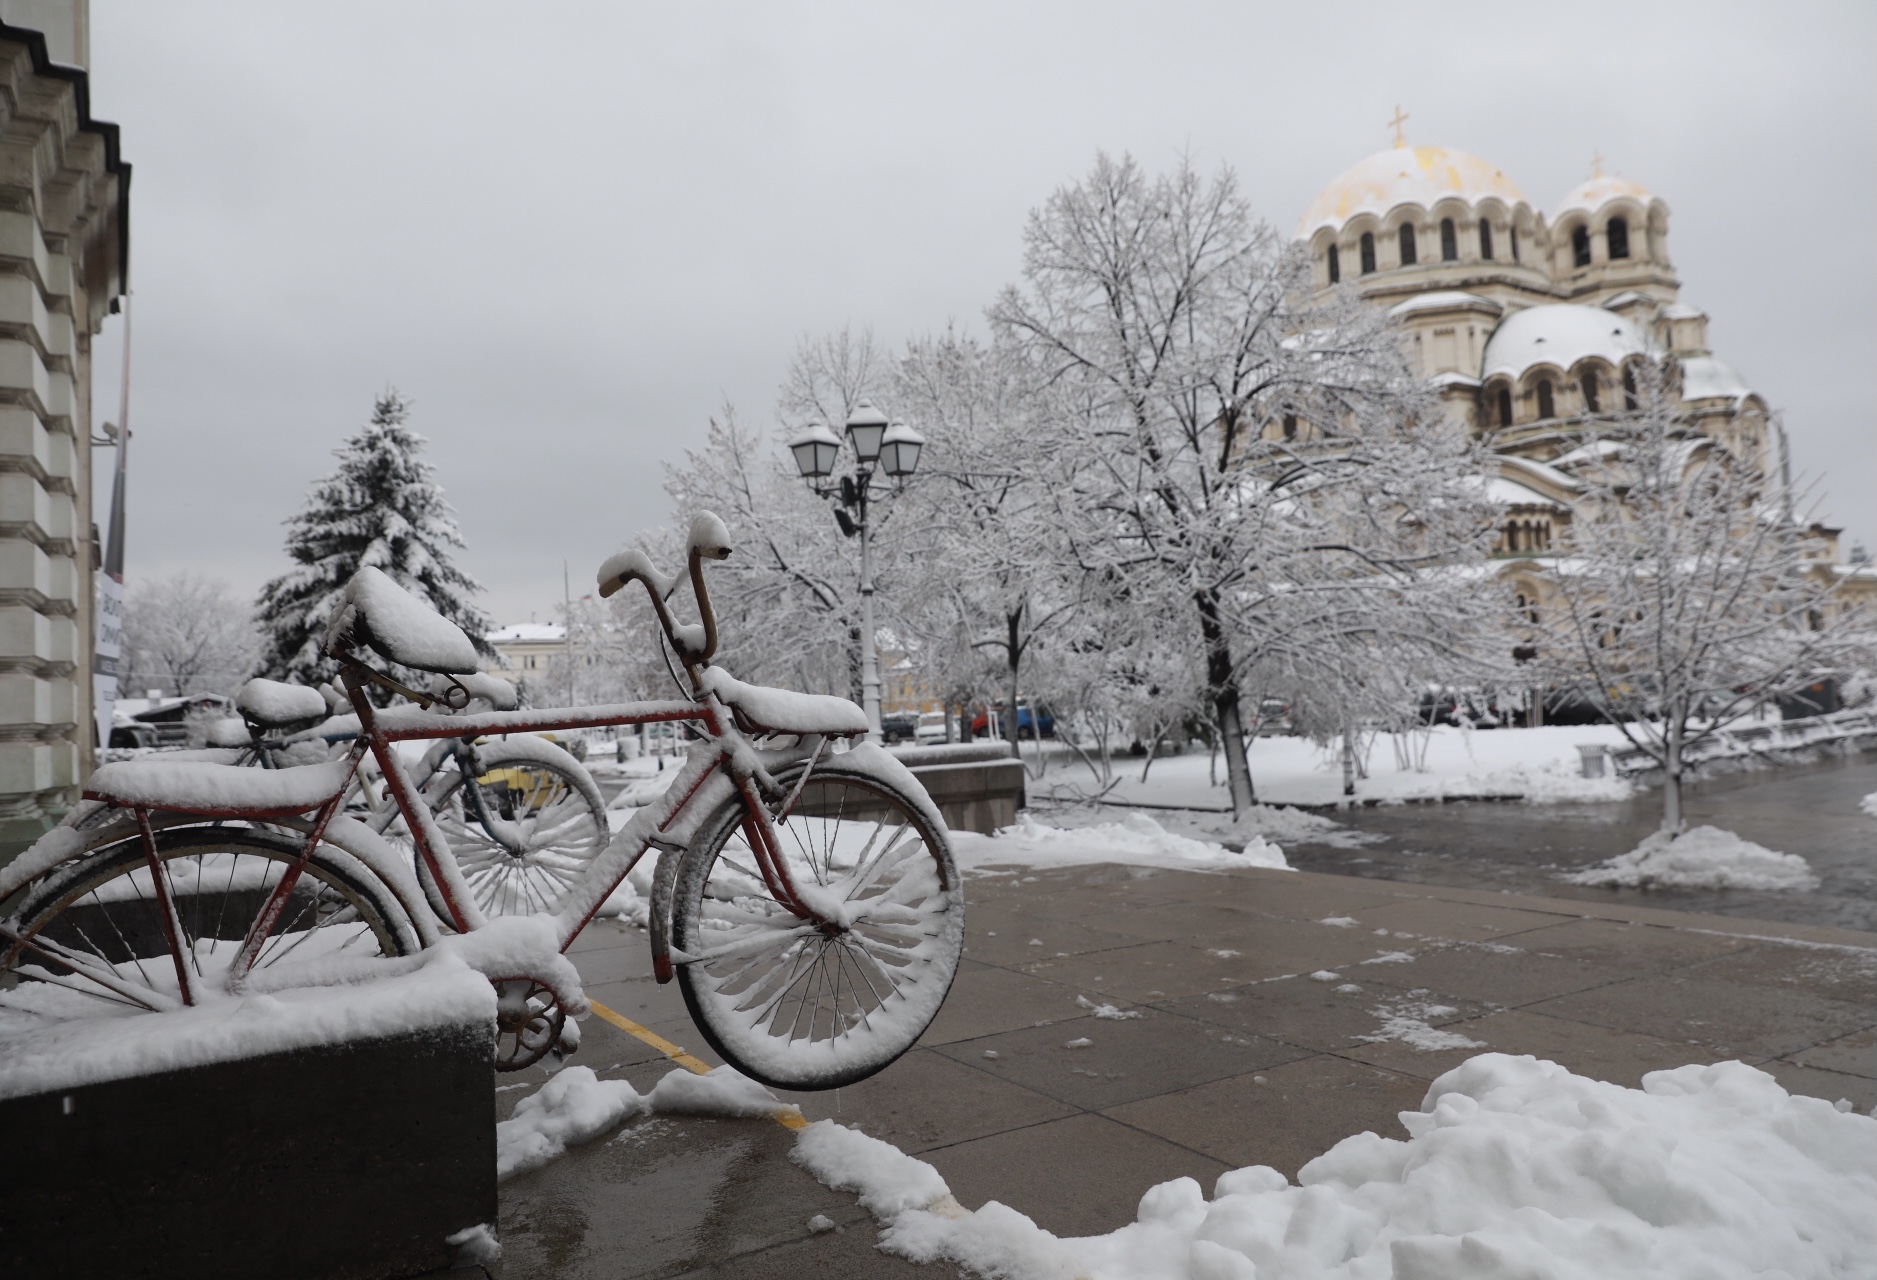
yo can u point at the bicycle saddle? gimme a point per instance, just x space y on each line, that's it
398 627
280 708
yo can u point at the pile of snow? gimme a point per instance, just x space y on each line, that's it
1513 1167
576 1106
1869 804
1136 840
1701 858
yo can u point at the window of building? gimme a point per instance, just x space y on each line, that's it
1336 265
1512 234
1406 235
1588 381
1629 386
1449 241
1485 240
1546 409
1580 246
1290 426
1505 406
1368 253
1618 235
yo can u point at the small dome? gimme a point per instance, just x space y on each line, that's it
1559 334
1407 175
1600 190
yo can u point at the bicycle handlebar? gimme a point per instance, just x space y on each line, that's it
709 539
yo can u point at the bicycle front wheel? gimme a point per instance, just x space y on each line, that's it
541 822
89 936
801 1006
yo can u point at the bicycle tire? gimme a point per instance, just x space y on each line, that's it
810 1009
564 825
102 908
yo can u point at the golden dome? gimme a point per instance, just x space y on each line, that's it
1407 175
1600 190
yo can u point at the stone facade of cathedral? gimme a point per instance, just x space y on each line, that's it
1528 322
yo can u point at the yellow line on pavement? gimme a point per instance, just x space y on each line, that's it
790 1119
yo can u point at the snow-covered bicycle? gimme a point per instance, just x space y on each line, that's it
805 897
523 816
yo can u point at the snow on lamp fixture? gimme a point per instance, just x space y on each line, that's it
899 450
815 451
866 426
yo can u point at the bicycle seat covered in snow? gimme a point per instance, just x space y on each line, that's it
396 625
285 708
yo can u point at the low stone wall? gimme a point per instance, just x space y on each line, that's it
332 1162
978 786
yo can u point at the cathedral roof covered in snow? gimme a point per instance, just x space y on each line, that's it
1407 175
1705 378
1600 190
1559 334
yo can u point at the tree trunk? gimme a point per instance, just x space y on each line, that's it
1671 778
1013 652
1349 763
1225 703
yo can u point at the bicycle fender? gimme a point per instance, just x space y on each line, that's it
664 890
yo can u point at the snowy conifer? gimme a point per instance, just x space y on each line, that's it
384 508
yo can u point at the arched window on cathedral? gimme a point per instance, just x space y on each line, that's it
1512 234
1368 253
1449 241
1406 235
1290 426
1336 265
1629 386
1618 235
1512 537
1592 401
1546 409
1505 406
1580 246
1485 240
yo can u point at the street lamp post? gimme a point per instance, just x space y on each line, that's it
879 444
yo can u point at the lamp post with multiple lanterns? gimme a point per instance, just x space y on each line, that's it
881 446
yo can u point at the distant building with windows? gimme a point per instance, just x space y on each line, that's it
528 647
1529 324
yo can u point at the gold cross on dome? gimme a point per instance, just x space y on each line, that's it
1596 165
1401 118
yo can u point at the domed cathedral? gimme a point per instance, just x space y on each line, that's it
1527 325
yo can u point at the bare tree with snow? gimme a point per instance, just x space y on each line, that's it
1686 594
1256 466
185 634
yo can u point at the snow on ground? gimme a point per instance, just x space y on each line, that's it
1513 1167
576 1106
1137 840
1869 804
1701 858
1539 765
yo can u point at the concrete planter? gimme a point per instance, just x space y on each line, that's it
331 1162
978 786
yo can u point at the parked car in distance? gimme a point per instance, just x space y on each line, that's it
1028 721
931 729
900 726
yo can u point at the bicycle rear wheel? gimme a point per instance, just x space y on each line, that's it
798 1006
88 937
554 819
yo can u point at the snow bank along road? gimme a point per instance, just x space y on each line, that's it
1114 1029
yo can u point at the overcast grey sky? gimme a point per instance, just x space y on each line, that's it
568 232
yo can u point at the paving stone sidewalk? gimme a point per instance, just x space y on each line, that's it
1254 1017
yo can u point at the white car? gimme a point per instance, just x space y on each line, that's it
931 728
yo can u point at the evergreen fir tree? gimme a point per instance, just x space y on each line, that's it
382 507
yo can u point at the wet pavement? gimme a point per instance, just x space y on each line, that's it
1233 1049
1810 810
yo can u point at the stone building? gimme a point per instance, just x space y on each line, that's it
64 238
1528 324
